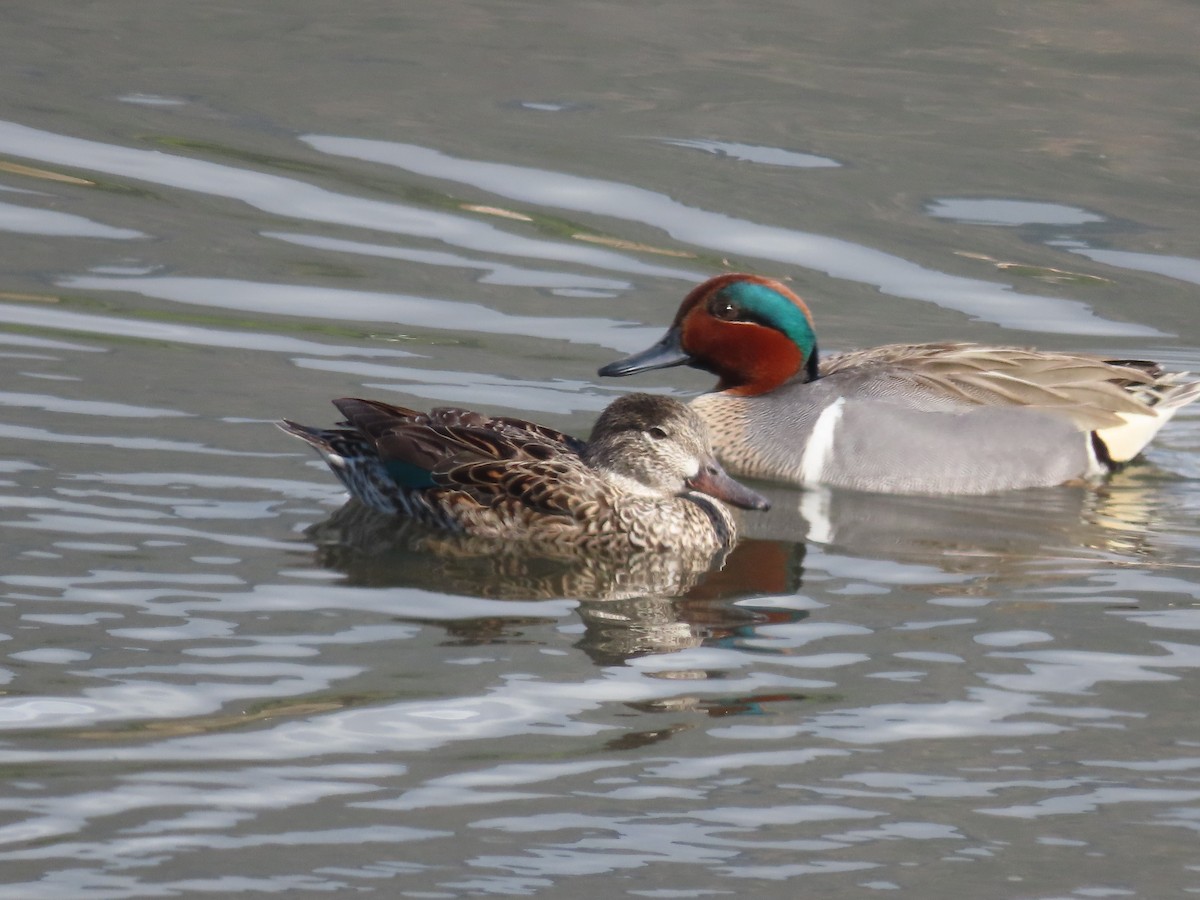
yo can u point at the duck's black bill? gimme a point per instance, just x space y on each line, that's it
666 353
716 482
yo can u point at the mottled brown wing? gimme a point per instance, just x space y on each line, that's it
374 417
437 448
510 428
570 444
553 487
448 436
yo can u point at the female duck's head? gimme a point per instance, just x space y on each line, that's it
662 446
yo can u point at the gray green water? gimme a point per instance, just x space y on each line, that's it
217 214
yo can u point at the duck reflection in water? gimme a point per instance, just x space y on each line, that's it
631 604
997 534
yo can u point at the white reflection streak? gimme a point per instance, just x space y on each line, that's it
1082 804
517 707
711 766
986 714
711 658
61 525
139 329
25 340
112 588
1181 268
288 197
498 273
27 220
28 433
357 306
298 490
608 843
1173 619
471 389
240 795
50 403
755 153
137 696
466 788
1079 671
984 300
1002 212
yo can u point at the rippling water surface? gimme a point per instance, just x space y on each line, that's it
215 682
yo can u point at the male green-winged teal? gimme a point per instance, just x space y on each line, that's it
902 418
647 479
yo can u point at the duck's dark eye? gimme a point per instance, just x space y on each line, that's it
721 308
657 433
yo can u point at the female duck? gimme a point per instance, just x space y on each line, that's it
647 479
902 418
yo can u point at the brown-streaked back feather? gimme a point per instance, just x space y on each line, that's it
1091 391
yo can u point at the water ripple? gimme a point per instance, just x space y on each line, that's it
292 198
984 300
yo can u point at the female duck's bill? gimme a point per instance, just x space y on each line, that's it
714 481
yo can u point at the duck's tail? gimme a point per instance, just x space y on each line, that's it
351 457
1163 398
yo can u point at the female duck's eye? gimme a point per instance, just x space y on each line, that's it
656 433
723 309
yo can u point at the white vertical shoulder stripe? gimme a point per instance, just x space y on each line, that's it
820 443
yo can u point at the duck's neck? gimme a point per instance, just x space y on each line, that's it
766 369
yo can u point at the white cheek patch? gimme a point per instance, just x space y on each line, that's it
820 443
